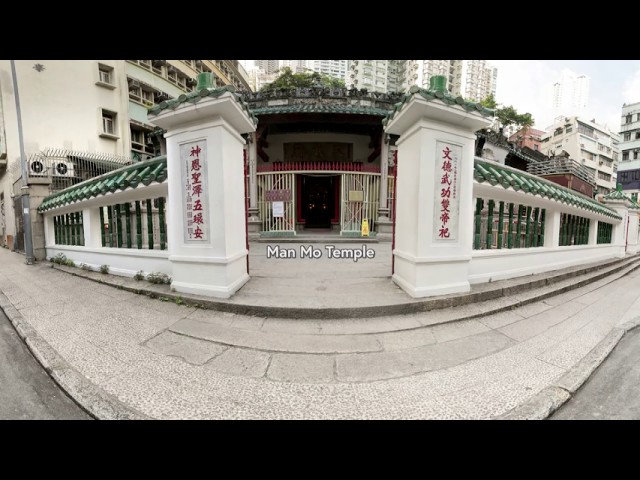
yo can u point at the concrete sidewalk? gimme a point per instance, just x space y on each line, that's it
129 356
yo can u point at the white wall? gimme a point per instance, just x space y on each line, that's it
125 262
493 265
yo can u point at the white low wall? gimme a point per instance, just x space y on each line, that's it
122 261
493 265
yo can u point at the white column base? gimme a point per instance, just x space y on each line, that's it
214 277
427 278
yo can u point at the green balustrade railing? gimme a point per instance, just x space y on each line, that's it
141 225
605 232
500 224
574 230
67 229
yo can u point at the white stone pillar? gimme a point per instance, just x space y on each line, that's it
552 228
619 234
91 227
434 240
632 236
593 232
49 231
208 258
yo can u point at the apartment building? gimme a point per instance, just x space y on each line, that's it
593 145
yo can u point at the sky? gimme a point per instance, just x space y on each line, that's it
528 86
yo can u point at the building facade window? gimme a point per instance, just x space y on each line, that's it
586 130
106 77
628 119
625 155
627 136
109 123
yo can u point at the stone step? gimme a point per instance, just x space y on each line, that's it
367 298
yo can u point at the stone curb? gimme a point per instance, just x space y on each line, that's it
551 398
538 407
95 401
374 311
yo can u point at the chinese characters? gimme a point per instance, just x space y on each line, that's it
446 218
194 175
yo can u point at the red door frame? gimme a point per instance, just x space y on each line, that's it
246 203
393 213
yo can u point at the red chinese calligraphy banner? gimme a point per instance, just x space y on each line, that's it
193 165
447 187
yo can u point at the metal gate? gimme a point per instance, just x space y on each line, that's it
360 200
275 188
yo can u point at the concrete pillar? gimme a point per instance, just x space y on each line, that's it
206 215
91 227
552 228
37 194
434 212
619 234
632 235
593 232
49 230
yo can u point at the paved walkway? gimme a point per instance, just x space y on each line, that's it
170 361
613 392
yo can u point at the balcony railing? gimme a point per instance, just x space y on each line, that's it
559 166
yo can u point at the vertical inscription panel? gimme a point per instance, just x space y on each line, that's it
446 191
195 198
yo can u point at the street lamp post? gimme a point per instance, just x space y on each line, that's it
26 213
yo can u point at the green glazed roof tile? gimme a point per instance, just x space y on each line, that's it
320 108
445 98
618 194
198 95
490 172
154 170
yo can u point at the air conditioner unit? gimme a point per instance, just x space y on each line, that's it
62 169
37 168
134 84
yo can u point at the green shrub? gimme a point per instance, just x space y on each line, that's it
86 267
156 277
139 275
104 268
69 263
60 259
